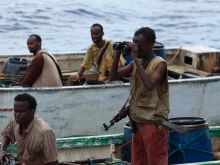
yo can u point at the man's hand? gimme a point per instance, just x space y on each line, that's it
78 77
134 50
118 53
216 69
2 154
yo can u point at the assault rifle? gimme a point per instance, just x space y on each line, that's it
119 116
124 113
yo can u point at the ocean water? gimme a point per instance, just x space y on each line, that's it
64 24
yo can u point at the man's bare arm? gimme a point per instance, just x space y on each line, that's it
116 73
5 143
80 72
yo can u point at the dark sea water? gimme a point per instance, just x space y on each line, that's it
64 24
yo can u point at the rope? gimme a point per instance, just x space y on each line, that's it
177 53
196 138
122 146
183 147
194 149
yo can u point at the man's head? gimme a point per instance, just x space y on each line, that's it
96 33
144 38
34 43
24 108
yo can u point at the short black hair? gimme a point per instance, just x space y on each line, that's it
37 37
99 25
32 103
148 33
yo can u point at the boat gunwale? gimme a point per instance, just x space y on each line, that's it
68 142
193 80
64 88
20 89
82 141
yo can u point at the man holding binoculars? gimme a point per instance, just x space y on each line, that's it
149 98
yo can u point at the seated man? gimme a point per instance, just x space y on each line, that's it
216 70
43 70
36 142
99 56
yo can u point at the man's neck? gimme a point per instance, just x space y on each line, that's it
145 61
24 126
100 44
35 53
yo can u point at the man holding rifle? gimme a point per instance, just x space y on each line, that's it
149 101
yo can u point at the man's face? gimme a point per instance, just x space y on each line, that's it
96 34
22 113
144 47
33 44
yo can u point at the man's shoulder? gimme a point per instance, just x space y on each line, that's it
91 46
158 59
110 42
38 58
12 123
41 125
44 54
110 47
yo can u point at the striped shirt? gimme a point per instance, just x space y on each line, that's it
36 145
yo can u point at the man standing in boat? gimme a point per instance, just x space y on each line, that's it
43 70
98 58
35 140
149 100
